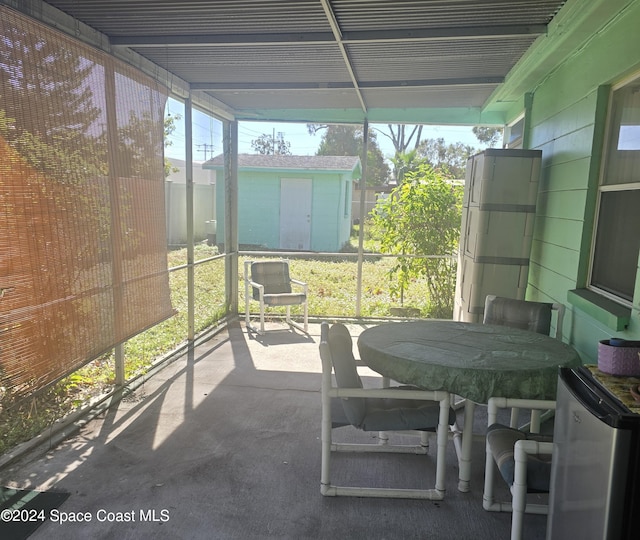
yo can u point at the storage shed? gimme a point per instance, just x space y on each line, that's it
290 202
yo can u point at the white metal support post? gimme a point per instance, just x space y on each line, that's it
230 152
363 185
189 202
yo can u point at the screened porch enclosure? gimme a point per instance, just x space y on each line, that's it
85 267
127 297
196 413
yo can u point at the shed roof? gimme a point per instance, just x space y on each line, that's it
311 163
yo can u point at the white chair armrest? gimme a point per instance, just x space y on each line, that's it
496 403
526 447
259 287
432 395
523 449
300 284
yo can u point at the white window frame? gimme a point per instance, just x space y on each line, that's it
604 188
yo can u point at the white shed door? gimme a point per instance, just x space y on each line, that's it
295 213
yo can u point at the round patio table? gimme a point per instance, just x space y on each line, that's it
474 361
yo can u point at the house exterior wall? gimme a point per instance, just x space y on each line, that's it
259 208
567 122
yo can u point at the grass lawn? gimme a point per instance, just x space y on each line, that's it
332 293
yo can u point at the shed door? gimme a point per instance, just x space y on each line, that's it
295 213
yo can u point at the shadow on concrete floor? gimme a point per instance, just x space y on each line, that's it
224 443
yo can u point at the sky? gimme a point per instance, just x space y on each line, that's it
207 135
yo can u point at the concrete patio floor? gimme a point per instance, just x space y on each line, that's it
224 443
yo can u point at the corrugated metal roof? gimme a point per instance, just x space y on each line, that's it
262 57
318 163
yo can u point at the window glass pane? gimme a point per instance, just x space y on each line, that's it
515 134
617 243
623 154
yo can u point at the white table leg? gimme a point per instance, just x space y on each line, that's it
464 460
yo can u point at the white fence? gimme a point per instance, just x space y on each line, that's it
204 210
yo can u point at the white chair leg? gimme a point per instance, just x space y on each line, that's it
535 421
487 495
516 522
262 307
519 491
246 294
424 438
325 468
441 443
247 319
467 440
306 317
325 434
515 414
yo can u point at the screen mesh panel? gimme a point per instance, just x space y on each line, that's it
82 246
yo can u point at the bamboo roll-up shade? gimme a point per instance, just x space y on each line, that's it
83 262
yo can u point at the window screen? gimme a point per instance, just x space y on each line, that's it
615 254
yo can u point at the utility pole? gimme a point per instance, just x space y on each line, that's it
280 139
206 147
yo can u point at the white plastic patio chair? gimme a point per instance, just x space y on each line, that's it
269 283
380 410
523 459
525 314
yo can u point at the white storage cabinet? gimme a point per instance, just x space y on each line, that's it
499 205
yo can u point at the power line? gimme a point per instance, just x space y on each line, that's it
206 147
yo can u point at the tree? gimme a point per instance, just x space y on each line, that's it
45 73
169 128
401 143
450 157
421 218
488 135
271 145
406 162
140 142
343 140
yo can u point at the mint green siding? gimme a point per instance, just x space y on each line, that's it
330 227
259 207
259 210
566 123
